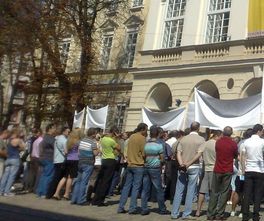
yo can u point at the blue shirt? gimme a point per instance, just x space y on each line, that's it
153 149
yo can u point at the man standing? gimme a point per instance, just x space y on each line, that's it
46 152
253 167
226 150
135 169
3 151
188 153
110 147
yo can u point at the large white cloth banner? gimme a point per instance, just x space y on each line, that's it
78 119
240 114
96 118
171 120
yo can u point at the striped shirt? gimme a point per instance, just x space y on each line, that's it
86 148
153 150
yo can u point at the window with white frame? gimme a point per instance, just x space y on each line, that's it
130 48
137 3
218 21
174 23
106 50
120 115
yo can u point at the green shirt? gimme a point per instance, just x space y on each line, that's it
108 144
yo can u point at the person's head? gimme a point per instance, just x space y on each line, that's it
114 131
142 128
161 132
65 131
187 131
173 133
51 129
248 133
216 134
258 129
92 132
73 138
4 134
195 126
237 139
154 131
15 133
228 131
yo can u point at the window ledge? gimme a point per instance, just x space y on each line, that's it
137 8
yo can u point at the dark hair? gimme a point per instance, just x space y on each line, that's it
49 126
91 131
63 129
141 127
114 129
173 133
248 133
217 133
257 128
228 131
195 126
187 131
154 131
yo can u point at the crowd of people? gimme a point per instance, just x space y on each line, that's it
148 163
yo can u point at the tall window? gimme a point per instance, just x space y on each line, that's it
218 21
120 115
64 50
174 23
137 3
106 50
130 48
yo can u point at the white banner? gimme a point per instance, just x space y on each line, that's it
171 120
240 114
96 118
78 119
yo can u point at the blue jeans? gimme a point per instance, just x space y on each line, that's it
45 177
9 176
80 187
152 176
134 178
189 180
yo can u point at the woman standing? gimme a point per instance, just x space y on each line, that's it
12 162
71 170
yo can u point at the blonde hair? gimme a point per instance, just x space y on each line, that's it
74 137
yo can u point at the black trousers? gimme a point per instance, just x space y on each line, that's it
253 186
104 180
59 171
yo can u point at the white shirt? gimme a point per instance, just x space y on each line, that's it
171 141
253 148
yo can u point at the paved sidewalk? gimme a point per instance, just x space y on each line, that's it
28 207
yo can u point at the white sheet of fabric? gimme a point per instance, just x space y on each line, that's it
78 119
96 118
171 120
245 114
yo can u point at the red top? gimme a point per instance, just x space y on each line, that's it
226 150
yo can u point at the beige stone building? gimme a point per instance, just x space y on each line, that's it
194 43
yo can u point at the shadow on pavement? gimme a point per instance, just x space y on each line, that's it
16 213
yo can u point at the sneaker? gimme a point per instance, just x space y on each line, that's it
189 218
9 194
233 213
121 211
240 215
144 213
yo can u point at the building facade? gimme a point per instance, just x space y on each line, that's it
189 43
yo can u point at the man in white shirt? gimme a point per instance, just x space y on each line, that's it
253 168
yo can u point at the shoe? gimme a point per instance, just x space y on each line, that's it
84 204
65 198
133 212
9 194
56 198
220 218
210 218
121 211
175 217
233 213
144 213
240 215
229 202
166 212
102 204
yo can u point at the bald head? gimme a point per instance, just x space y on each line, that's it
228 131
195 126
